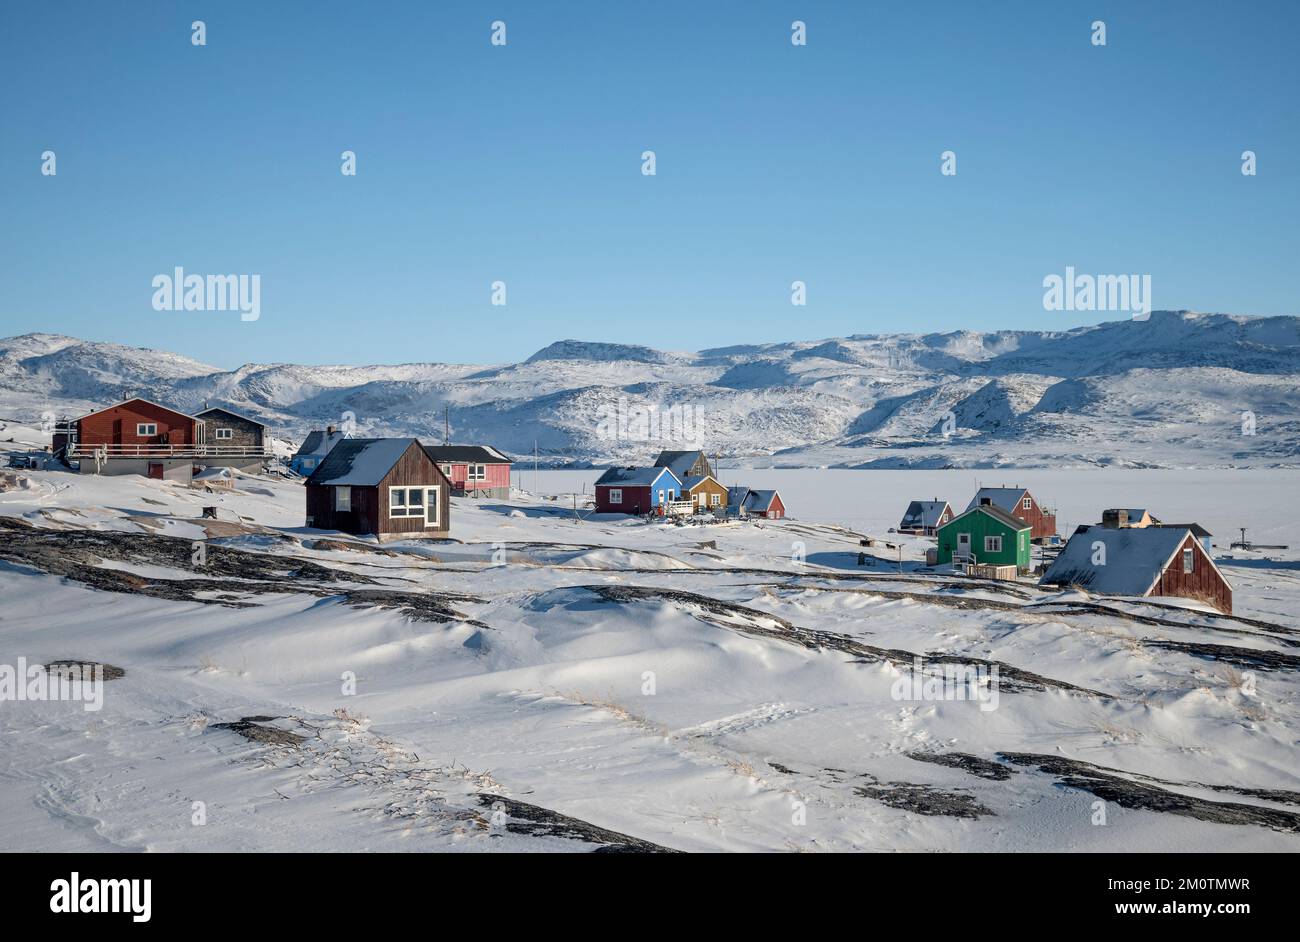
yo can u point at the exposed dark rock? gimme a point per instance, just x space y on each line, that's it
984 768
924 799
76 670
534 821
1128 793
1228 654
256 732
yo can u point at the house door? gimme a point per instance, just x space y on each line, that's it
156 470
963 545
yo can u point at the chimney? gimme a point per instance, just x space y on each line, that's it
329 430
1114 519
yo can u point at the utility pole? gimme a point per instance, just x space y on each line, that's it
536 490
446 425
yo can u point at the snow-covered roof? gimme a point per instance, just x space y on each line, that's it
360 462
635 477
994 511
923 513
1008 498
477 454
679 462
232 412
1134 558
759 499
690 482
319 442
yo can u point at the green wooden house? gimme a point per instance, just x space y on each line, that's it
989 534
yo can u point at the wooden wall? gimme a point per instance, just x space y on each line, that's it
1203 583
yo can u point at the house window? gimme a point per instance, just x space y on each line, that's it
715 500
414 502
992 544
226 433
616 495
1027 503
446 470
146 429
661 496
1189 560
478 472
343 498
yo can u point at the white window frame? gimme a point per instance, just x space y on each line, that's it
400 506
343 499
616 495
146 429
1027 503
661 495
1189 560
476 472
715 500
223 433
993 544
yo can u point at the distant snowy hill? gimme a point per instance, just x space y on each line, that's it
1170 391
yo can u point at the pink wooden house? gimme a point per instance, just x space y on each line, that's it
474 470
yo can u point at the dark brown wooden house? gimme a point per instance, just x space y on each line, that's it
386 487
1141 561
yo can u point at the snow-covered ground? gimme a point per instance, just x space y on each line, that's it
694 687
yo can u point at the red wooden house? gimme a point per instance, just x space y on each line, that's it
636 490
137 436
1141 561
748 502
1022 505
474 470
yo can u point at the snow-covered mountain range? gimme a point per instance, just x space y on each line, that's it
1180 389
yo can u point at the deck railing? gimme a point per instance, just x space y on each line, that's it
87 451
678 508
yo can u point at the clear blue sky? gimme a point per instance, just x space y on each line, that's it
522 164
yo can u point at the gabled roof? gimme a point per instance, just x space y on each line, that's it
635 477
360 462
679 461
736 494
476 454
1008 498
994 511
693 481
1135 558
319 442
141 399
232 412
923 513
759 499
1198 531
